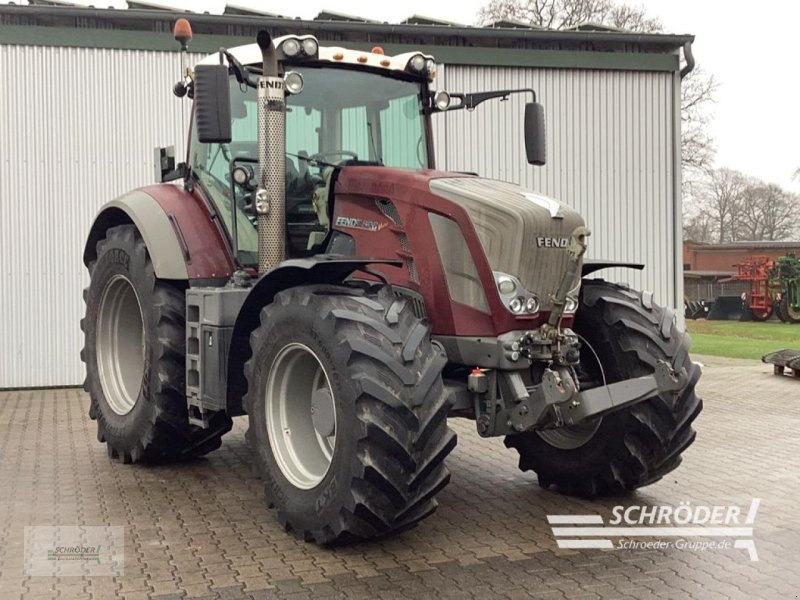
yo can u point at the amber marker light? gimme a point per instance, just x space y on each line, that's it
182 32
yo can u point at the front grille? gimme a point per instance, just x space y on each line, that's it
389 210
509 225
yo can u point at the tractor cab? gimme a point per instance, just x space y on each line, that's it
343 108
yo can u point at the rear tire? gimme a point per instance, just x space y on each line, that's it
364 352
134 334
632 447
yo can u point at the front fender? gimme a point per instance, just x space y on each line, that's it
182 238
144 212
317 270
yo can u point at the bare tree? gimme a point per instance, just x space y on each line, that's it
697 145
698 227
779 217
562 14
727 206
766 212
697 91
722 202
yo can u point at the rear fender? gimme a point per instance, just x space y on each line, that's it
322 269
592 266
182 238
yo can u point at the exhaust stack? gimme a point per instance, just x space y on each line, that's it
270 196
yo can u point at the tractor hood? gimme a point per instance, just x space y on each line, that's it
500 228
523 233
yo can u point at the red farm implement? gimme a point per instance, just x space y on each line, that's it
756 270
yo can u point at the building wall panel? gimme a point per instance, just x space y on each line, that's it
77 127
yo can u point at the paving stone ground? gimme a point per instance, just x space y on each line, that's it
200 530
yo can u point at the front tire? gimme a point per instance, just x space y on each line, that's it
350 384
632 447
134 335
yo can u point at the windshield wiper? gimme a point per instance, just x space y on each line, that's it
377 156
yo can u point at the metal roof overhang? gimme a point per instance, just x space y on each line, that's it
496 46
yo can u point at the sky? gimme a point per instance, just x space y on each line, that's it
750 48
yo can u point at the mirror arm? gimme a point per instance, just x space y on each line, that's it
471 101
241 72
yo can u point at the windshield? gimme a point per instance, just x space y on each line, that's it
362 115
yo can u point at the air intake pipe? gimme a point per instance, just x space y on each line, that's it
271 192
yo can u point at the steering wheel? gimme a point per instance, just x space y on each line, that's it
323 155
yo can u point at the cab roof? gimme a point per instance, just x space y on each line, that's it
250 54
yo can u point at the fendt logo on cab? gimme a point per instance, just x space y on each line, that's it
271 82
360 224
552 242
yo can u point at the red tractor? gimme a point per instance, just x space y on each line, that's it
314 271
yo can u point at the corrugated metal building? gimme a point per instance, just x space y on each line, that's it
86 96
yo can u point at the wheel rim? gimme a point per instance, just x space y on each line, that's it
300 416
120 345
571 436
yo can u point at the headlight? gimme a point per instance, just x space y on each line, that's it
243 174
310 46
515 297
441 100
506 285
430 66
291 47
293 82
296 48
417 63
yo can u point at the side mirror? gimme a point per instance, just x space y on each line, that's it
535 140
212 104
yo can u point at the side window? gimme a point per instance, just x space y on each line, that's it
403 145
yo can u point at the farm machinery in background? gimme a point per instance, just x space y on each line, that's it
774 287
785 277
